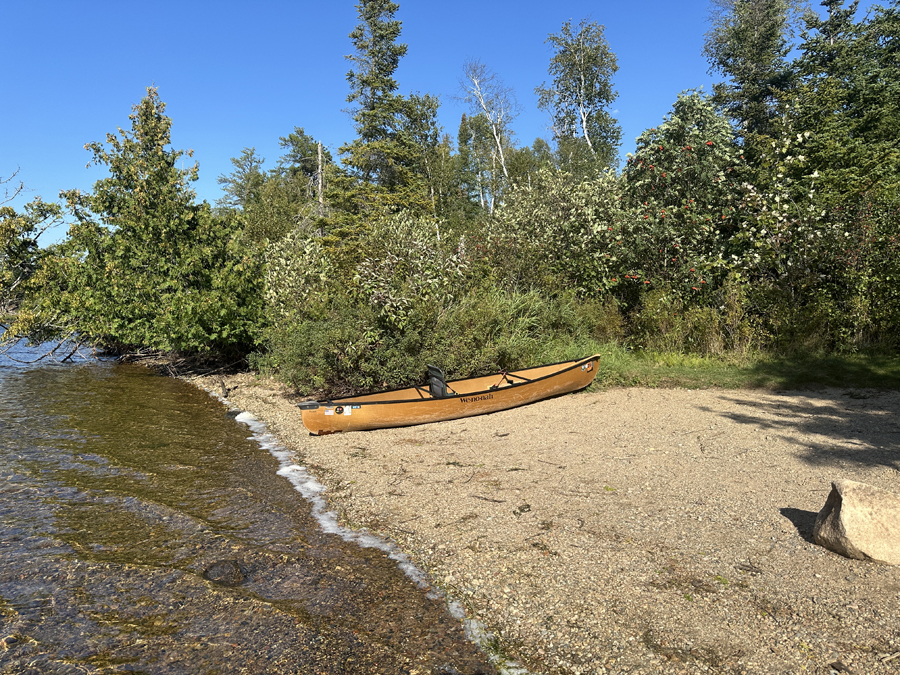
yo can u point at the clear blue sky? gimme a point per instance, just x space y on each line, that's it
238 75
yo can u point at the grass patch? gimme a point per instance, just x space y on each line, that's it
623 367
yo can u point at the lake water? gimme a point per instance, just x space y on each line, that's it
144 529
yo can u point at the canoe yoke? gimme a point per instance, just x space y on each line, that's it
504 377
437 383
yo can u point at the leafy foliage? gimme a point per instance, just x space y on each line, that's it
143 265
763 217
560 235
682 183
19 252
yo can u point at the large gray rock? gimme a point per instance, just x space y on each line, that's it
860 521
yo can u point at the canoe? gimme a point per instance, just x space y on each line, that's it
441 400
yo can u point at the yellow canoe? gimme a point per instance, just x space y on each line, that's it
440 400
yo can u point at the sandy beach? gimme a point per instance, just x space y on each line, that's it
630 530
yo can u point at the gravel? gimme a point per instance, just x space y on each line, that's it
630 530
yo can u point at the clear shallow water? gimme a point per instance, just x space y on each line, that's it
122 494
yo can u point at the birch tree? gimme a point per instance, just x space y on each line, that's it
486 94
581 92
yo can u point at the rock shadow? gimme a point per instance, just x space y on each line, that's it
804 521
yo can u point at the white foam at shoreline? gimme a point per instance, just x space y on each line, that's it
311 490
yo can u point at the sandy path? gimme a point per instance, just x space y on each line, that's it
632 530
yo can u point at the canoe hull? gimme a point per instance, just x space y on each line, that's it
476 396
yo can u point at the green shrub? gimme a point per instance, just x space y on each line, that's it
666 322
486 330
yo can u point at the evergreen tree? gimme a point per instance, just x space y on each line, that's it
526 162
374 154
387 162
19 250
241 187
748 43
377 55
849 100
271 204
302 155
144 265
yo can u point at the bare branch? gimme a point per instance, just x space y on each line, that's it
63 345
11 189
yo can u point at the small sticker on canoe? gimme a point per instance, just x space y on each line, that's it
329 411
355 407
339 410
585 367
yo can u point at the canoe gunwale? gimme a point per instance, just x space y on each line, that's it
430 399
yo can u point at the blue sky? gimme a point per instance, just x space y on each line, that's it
238 75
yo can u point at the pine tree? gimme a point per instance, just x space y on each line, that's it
748 44
389 157
849 100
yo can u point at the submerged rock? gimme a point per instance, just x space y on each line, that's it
860 521
225 573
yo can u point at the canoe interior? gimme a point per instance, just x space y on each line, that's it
467 387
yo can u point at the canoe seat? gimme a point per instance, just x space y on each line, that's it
437 383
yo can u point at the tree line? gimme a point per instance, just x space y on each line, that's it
762 217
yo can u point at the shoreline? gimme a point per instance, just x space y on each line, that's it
628 530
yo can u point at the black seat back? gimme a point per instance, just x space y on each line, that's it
437 384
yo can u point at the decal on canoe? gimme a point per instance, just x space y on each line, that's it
473 399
